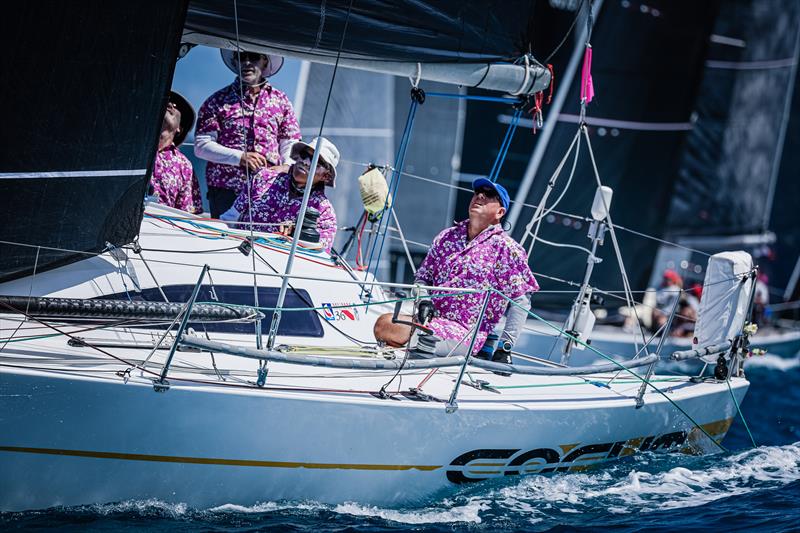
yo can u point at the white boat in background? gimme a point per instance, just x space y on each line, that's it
545 342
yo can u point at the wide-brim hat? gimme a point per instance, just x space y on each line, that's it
327 152
275 62
501 191
187 116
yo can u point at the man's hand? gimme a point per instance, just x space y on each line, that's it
280 168
286 228
252 160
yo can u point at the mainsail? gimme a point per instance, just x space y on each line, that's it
85 86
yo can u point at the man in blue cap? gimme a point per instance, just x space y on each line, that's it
475 253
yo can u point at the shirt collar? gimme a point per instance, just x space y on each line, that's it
463 228
237 88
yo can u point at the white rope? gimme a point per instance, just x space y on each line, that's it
617 252
540 213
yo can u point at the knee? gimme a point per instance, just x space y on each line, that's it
381 325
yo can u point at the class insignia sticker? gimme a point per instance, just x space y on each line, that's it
338 311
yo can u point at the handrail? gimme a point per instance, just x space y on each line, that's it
389 364
714 349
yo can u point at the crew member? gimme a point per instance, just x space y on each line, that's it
173 180
243 128
671 290
477 254
277 196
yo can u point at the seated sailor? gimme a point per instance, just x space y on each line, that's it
477 254
277 196
173 180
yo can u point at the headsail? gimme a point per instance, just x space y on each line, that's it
85 86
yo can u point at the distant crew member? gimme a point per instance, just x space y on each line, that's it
671 291
277 195
173 180
476 254
240 136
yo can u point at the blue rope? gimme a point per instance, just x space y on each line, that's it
501 154
393 185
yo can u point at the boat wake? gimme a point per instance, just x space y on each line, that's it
645 484
773 362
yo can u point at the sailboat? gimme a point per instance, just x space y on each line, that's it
148 353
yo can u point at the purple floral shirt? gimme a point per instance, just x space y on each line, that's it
274 202
491 259
259 125
174 181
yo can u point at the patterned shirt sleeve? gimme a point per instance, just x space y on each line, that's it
207 121
289 128
514 276
326 224
197 200
426 271
261 181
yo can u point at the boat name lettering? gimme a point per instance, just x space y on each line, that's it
481 464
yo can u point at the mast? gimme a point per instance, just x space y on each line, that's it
565 85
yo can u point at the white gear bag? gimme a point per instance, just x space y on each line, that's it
725 299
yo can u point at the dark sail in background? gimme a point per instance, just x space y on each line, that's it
84 90
737 177
648 61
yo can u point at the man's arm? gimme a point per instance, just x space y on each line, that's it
206 147
515 320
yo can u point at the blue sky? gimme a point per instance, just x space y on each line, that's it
202 72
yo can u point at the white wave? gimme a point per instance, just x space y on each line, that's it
147 507
265 507
466 513
773 361
680 487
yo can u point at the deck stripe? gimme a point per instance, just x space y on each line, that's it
213 460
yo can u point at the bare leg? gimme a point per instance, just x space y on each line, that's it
395 335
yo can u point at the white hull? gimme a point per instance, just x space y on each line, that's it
76 429
76 441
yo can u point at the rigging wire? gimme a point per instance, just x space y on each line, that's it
249 181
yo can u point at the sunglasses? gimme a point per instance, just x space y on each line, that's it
488 192
307 154
247 56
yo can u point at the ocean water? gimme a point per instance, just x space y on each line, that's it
747 488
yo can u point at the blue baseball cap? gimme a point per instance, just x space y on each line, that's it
501 191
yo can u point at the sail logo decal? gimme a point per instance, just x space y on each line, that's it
478 465
336 311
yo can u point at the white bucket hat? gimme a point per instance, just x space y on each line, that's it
327 152
275 62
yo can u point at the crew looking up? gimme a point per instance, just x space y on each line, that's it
244 127
173 180
277 195
476 254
